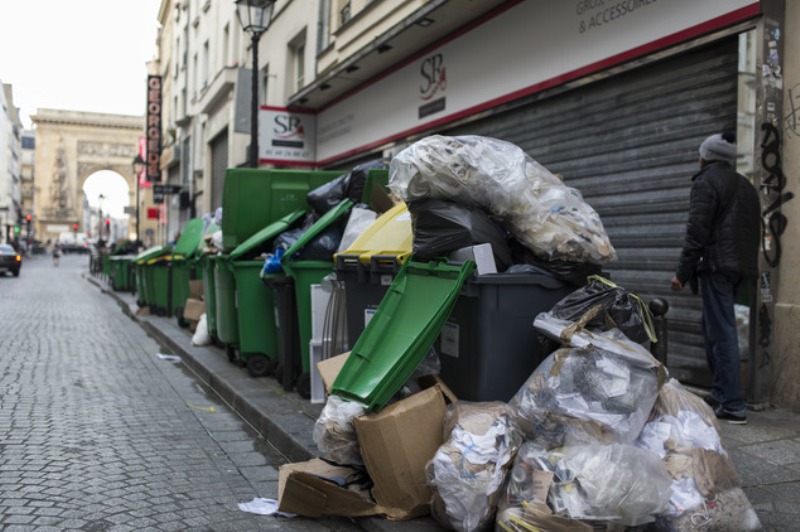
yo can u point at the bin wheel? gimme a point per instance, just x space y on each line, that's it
259 365
303 385
217 342
277 372
231 352
182 323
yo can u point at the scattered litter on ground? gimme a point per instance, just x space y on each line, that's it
262 506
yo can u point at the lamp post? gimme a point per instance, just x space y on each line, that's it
138 165
254 16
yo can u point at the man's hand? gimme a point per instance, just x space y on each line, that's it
675 284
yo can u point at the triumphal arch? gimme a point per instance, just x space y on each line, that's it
70 147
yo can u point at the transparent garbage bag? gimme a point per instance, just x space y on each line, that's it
359 220
706 491
606 390
542 213
335 434
614 484
468 472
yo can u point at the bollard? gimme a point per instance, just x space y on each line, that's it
658 308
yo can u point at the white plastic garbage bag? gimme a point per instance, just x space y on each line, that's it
335 434
548 217
201 336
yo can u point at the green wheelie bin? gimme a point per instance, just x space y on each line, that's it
144 289
225 298
254 302
171 273
303 274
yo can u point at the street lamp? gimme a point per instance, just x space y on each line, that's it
138 165
254 16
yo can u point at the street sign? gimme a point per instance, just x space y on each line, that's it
129 210
166 189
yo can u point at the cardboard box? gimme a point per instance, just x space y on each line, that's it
193 309
314 488
482 254
396 444
196 289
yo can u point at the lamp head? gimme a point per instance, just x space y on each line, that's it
254 15
138 164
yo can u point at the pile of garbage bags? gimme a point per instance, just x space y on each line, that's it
598 437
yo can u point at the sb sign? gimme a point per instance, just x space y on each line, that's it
289 137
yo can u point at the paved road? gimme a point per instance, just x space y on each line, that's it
99 433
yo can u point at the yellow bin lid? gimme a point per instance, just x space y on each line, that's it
389 235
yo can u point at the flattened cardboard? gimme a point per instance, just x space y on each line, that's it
193 309
196 289
396 443
329 368
304 490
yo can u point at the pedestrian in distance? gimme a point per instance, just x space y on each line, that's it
56 254
720 251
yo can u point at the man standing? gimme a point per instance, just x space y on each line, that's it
721 248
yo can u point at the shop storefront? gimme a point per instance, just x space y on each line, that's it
614 96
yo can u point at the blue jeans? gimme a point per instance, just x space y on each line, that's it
721 339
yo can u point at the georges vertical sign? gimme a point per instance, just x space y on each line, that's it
153 169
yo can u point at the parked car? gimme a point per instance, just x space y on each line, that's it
74 243
10 260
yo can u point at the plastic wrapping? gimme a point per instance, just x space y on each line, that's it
358 222
326 197
467 473
706 490
617 483
612 392
334 433
201 336
620 309
549 218
441 227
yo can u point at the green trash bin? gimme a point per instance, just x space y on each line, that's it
253 198
305 273
258 342
143 282
403 329
171 273
121 273
206 263
225 294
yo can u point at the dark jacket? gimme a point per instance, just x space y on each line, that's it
721 237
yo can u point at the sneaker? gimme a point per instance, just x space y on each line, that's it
711 401
733 419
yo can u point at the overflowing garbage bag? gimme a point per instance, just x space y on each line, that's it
348 186
540 211
468 472
706 491
605 391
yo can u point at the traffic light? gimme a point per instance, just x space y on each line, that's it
16 229
28 218
75 228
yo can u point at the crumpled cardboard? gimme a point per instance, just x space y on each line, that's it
395 445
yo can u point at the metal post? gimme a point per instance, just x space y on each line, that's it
256 36
659 308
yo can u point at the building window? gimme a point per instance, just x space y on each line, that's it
264 85
324 25
297 49
205 64
344 13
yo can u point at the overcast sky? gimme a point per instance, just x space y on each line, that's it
77 55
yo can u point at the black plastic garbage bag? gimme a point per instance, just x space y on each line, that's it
327 196
358 179
441 227
322 246
623 310
570 272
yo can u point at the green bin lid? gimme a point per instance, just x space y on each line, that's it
269 232
189 239
403 329
151 253
327 219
